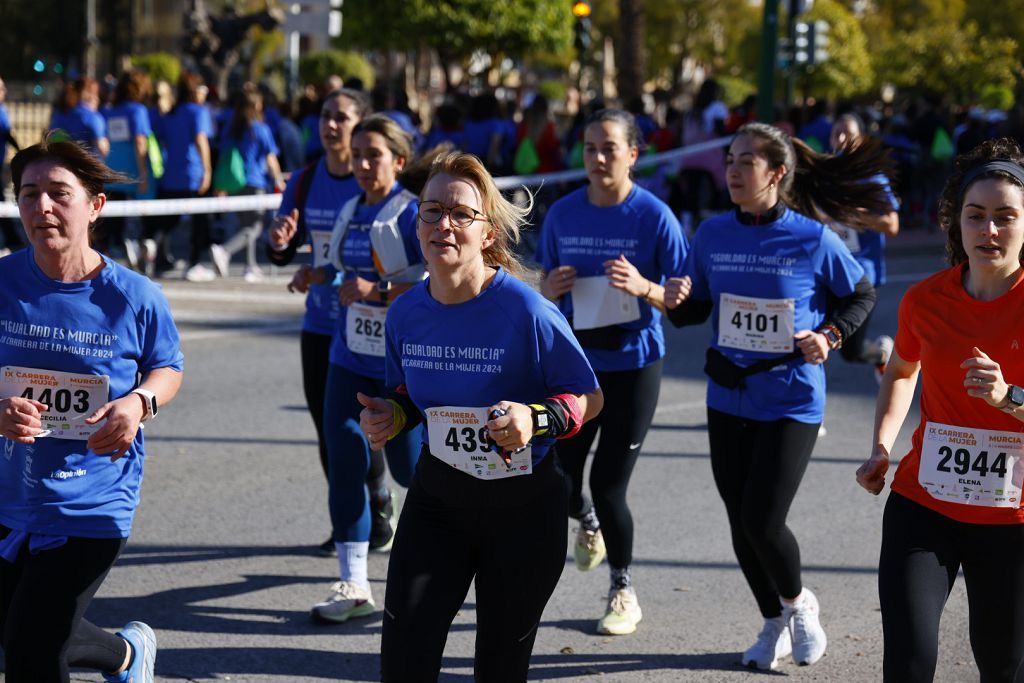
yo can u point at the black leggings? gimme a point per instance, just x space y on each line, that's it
316 354
757 468
159 227
42 602
509 535
922 552
630 399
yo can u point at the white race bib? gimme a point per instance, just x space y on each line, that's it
595 303
118 129
364 329
458 437
972 466
752 324
849 236
321 240
70 396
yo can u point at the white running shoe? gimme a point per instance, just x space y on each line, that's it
623 613
589 550
200 273
221 259
253 274
885 344
773 643
805 629
347 600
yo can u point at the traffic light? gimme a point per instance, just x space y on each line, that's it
581 31
811 44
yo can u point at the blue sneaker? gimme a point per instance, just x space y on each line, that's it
143 642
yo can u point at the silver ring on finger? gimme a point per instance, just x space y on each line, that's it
504 433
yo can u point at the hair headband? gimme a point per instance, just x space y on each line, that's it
1011 168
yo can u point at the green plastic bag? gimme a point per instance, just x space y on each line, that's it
576 155
156 157
527 160
942 146
229 176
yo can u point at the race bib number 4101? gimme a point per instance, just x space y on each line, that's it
972 466
71 397
751 324
458 437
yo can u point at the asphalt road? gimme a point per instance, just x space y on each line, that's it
221 561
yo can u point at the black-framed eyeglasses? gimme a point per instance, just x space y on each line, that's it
459 216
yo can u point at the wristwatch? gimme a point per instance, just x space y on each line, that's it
541 419
833 335
1014 398
148 402
383 289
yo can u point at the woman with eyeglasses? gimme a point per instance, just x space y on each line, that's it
607 247
496 376
310 205
374 252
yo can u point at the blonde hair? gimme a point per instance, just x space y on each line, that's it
505 218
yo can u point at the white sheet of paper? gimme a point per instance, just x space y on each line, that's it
595 303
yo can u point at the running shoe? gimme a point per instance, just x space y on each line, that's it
885 344
383 520
773 643
327 548
200 273
805 629
253 274
347 601
589 550
143 643
623 613
221 259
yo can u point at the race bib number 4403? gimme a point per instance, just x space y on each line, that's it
751 324
71 397
972 466
458 437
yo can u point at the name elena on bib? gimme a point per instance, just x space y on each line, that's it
751 324
972 466
457 436
71 397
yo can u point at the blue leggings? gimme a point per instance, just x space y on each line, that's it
348 453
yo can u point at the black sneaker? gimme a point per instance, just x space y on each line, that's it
327 548
382 523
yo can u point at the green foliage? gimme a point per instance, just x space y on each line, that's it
848 70
735 89
159 66
950 58
315 67
555 91
996 97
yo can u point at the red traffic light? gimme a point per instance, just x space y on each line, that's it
581 9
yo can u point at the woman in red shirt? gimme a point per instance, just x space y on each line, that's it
956 496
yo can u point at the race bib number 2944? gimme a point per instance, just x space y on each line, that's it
972 466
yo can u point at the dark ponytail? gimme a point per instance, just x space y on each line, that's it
825 186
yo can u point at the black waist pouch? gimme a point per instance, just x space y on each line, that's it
725 373
609 338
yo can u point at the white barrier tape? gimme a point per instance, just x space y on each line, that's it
266 202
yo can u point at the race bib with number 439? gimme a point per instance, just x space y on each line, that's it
458 437
972 466
71 397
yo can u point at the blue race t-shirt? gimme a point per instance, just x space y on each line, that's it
183 171
793 258
83 125
124 122
254 146
477 136
5 131
643 229
117 324
507 344
327 195
357 259
868 246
